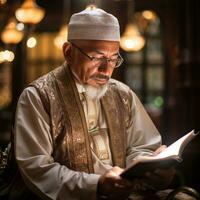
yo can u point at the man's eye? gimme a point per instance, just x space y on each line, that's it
114 58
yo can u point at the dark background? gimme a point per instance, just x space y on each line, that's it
181 30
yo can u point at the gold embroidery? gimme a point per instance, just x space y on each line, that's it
99 143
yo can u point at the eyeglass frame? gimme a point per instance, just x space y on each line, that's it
102 58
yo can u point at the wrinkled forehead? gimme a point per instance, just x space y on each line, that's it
98 45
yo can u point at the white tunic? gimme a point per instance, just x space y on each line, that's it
33 150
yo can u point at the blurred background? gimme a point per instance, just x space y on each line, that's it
160 44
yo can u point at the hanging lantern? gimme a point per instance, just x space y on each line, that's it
30 12
131 40
11 33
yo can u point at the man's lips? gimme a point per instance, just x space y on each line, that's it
100 78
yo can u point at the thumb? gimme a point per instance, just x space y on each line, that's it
159 150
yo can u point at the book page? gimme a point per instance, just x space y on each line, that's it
177 147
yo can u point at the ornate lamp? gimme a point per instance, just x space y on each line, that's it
30 12
131 39
11 33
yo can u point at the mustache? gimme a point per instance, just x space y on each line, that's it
101 76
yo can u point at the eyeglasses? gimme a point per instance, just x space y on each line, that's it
98 62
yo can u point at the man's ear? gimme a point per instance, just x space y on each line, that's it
67 52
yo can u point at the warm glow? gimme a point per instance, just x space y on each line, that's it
20 26
6 56
9 56
1 57
149 15
61 37
11 34
5 96
131 40
30 12
91 7
31 42
3 1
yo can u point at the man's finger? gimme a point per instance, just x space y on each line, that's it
159 150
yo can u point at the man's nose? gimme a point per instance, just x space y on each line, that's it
105 68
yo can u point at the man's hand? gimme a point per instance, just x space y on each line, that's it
160 178
112 186
159 150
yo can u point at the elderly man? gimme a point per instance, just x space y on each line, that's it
75 123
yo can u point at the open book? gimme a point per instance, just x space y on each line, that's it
167 158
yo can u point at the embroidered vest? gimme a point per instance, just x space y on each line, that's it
69 133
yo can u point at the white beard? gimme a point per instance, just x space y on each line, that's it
91 91
95 93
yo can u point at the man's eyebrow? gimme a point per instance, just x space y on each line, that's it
99 52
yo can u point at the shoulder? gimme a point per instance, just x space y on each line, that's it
46 80
40 90
29 98
29 93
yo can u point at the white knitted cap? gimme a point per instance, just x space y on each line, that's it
93 24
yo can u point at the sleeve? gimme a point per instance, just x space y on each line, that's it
142 136
33 150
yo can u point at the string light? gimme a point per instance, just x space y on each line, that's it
6 56
31 42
